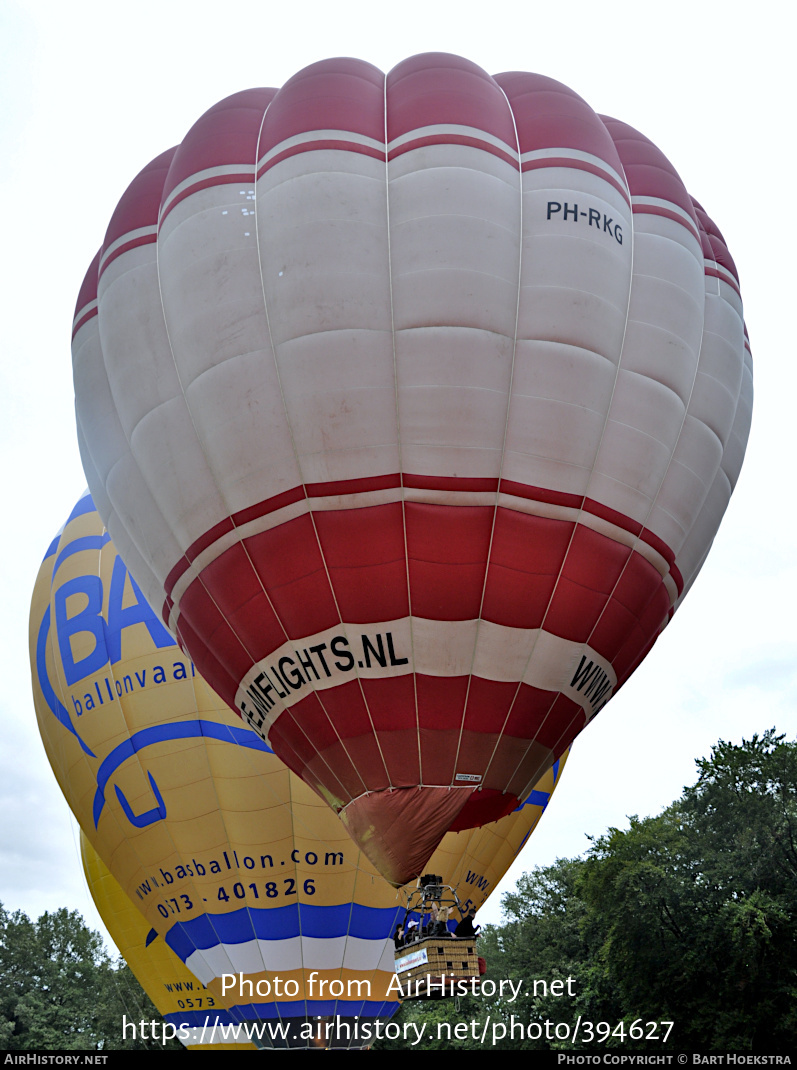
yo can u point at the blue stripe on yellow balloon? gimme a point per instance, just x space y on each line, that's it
76 546
147 737
282 923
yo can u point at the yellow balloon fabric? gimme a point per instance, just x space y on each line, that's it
171 987
244 873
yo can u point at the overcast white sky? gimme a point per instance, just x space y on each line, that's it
91 91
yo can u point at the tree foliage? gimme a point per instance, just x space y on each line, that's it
697 908
689 917
59 989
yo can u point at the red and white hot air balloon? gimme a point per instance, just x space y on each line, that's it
415 401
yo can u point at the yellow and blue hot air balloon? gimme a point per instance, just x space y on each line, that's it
242 870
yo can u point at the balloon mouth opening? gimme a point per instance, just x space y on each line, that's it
398 829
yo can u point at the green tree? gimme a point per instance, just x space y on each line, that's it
693 914
59 990
546 938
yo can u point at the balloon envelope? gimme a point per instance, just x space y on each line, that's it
414 403
236 865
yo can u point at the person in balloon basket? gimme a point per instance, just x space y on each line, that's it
431 920
465 927
440 926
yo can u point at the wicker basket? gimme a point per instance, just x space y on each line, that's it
429 968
